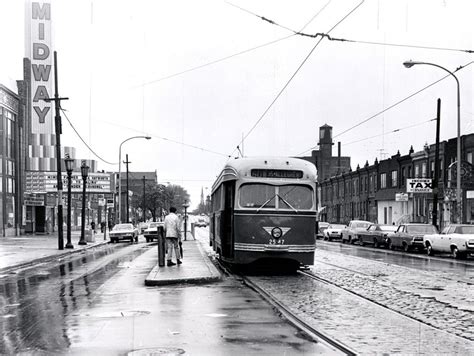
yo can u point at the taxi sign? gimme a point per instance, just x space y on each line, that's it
419 185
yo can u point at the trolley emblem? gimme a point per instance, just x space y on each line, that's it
275 231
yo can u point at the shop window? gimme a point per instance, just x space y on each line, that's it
383 180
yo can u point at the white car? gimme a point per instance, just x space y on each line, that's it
333 231
124 232
152 231
349 234
455 239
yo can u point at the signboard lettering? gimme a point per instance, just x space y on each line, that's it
419 185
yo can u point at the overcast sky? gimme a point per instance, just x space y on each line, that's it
112 56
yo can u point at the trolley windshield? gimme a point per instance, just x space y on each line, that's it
283 197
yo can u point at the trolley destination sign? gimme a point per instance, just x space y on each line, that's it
276 173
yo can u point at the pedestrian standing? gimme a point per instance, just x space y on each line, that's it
93 226
110 225
172 235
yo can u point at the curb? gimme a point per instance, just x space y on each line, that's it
11 269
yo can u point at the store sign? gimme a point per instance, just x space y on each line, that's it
470 194
419 185
34 199
40 53
46 182
401 197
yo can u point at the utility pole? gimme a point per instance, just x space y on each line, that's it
144 200
436 167
127 162
58 132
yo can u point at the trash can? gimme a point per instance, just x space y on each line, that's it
90 237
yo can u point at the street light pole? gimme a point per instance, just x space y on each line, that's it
120 175
84 172
69 167
459 217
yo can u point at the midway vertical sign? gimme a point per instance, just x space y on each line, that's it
38 50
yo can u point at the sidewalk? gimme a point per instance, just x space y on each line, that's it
27 250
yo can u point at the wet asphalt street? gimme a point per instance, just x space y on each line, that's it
98 304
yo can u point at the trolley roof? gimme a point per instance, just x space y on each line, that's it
240 168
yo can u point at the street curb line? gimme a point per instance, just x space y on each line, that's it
7 270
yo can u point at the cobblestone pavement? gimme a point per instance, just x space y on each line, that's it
362 325
441 301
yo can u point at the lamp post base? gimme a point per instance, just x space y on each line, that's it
82 243
69 245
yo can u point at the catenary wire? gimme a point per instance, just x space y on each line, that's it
166 139
212 62
291 78
391 106
390 132
326 35
84 142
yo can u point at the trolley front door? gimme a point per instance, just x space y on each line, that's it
228 220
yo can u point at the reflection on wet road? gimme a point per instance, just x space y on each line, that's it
35 302
464 270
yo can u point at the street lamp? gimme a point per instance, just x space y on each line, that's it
69 162
120 174
459 218
185 206
84 172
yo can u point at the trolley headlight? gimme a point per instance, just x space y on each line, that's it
276 232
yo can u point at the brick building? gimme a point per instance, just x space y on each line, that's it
370 192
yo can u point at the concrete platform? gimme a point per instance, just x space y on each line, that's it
196 268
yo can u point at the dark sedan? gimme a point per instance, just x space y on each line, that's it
410 236
376 235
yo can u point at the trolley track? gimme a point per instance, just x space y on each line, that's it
314 334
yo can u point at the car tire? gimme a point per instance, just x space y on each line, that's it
361 243
406 247
456 254
429 250
390 245
136 239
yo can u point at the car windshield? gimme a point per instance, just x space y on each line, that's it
388 228
154 224
123 227
363 225
336 226
285 197
421 229
465 229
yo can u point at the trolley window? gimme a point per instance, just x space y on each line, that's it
257 195
286 197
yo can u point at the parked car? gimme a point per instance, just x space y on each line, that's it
142 227
376 234
201 222
410 236
124 232
152 232
333 231
350 233
455 239
322 226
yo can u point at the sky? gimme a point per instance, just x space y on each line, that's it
172 70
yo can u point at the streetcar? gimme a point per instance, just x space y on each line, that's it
263 209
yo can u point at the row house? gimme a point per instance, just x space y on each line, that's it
378 192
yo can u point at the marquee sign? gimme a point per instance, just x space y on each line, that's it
46 182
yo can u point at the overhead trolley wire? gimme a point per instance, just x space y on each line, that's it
291 78
391 132
392 106
84 142
166 139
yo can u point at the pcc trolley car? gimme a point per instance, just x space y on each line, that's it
264 209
